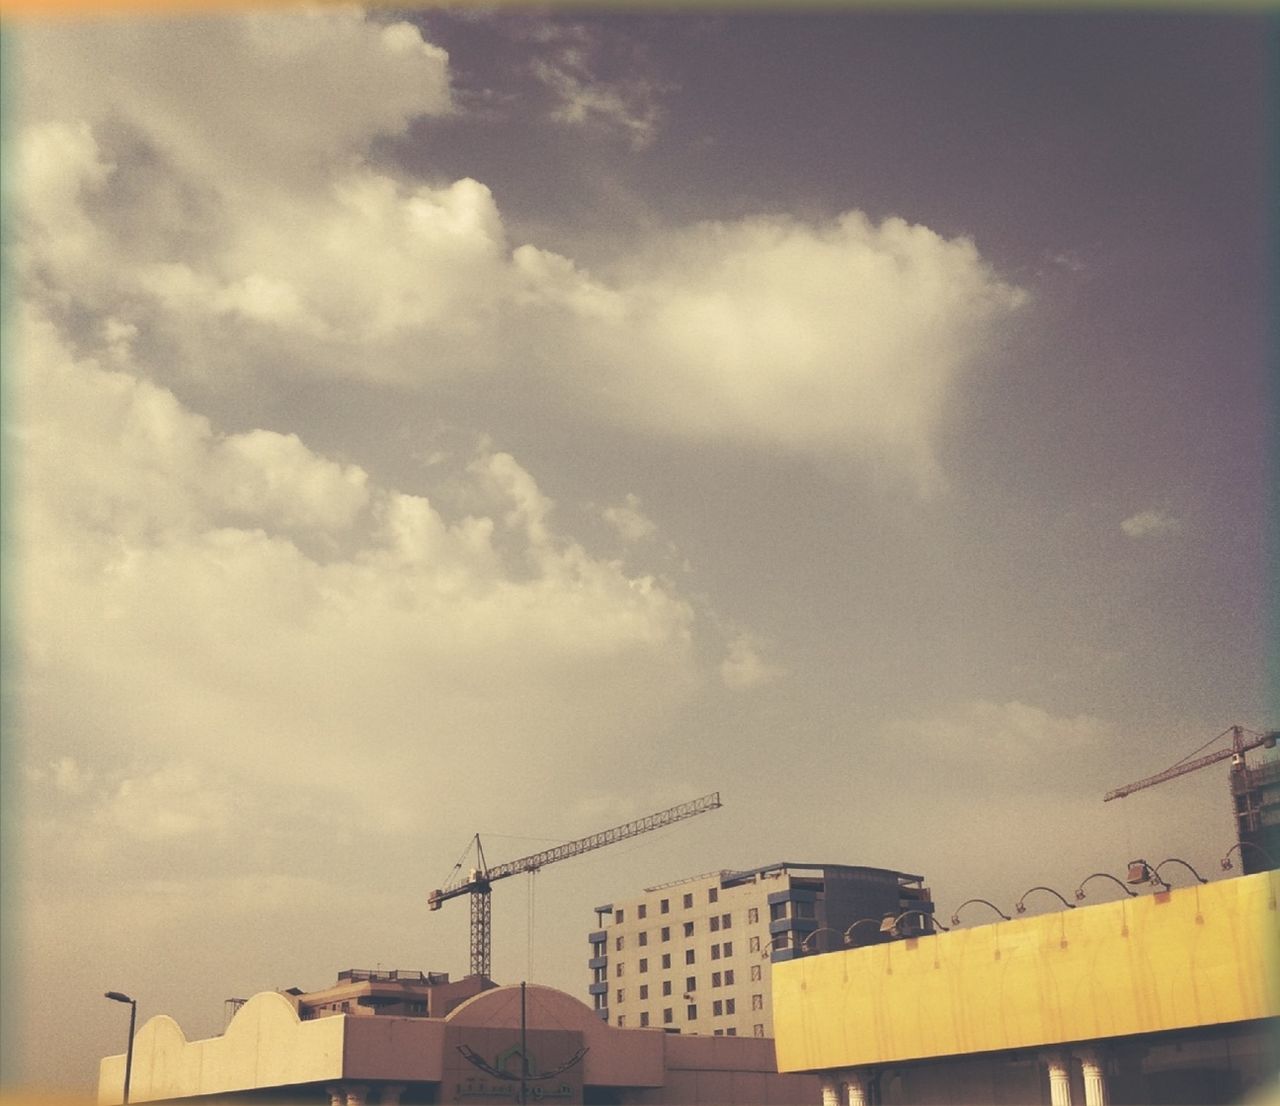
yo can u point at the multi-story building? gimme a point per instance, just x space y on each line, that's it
694 956
360 991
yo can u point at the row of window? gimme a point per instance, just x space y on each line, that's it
690 957
719 1009
664 905
717 922
718 979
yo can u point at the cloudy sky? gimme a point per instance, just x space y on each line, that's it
437 423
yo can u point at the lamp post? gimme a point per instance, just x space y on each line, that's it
116 996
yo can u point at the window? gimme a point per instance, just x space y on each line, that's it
644 964
728 948
690 983
666 933
666 986
617 944
691 1012
598 975
688 902
757 1002
620 994
726 921
719 1032
715 979
753 914
644 938
617 917
803 910
731 1032
618 970
664 906
777 911
644 1019
667 1019
642 911
758 1030
715 923
621 1021
753 945
728 978
713 894
688 956
717 1008
715 952
730 1006
688 929
644 990
666 959
756 972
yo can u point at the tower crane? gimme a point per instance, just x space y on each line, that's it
1239 746
482 877
1254 795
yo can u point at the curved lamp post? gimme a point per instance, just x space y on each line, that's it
1021 906
890 923
1142 872
955 917
768 949
848 933
1103 875
1241 846
116 996
804 944
1178 860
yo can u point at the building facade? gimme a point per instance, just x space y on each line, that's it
407 994
480 1053
694 956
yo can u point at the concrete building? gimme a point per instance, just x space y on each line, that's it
362 992
1166 998
1255 799
474 1054
694 956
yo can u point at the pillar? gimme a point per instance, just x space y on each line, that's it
1059 1079
1095 1077
337 1095
855 1082
357 1094
830 1090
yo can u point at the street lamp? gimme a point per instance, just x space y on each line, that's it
116 996
1020 905
1102 875
1177 860
955 917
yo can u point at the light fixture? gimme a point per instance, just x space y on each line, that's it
118 996
890 923
955 918
848 933
1176 860
1241 846
1103 875
1021 905
1141 872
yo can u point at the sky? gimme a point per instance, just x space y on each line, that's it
421 424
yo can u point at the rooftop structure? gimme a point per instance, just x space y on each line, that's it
407 994
694 956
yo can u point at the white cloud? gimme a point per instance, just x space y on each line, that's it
630 522
840 339
990 733
1150 523
246 596
630 107
744 665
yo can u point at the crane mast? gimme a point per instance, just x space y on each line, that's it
480 880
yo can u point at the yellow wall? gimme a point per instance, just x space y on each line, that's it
1199 955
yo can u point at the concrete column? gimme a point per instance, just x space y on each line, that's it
337 1095
830 1090
357 1094
1095 1077
390 1094
1059 1079
855 1082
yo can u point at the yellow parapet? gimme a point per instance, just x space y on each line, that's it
1196 956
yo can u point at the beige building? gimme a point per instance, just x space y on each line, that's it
474 1054
694 956
362 992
